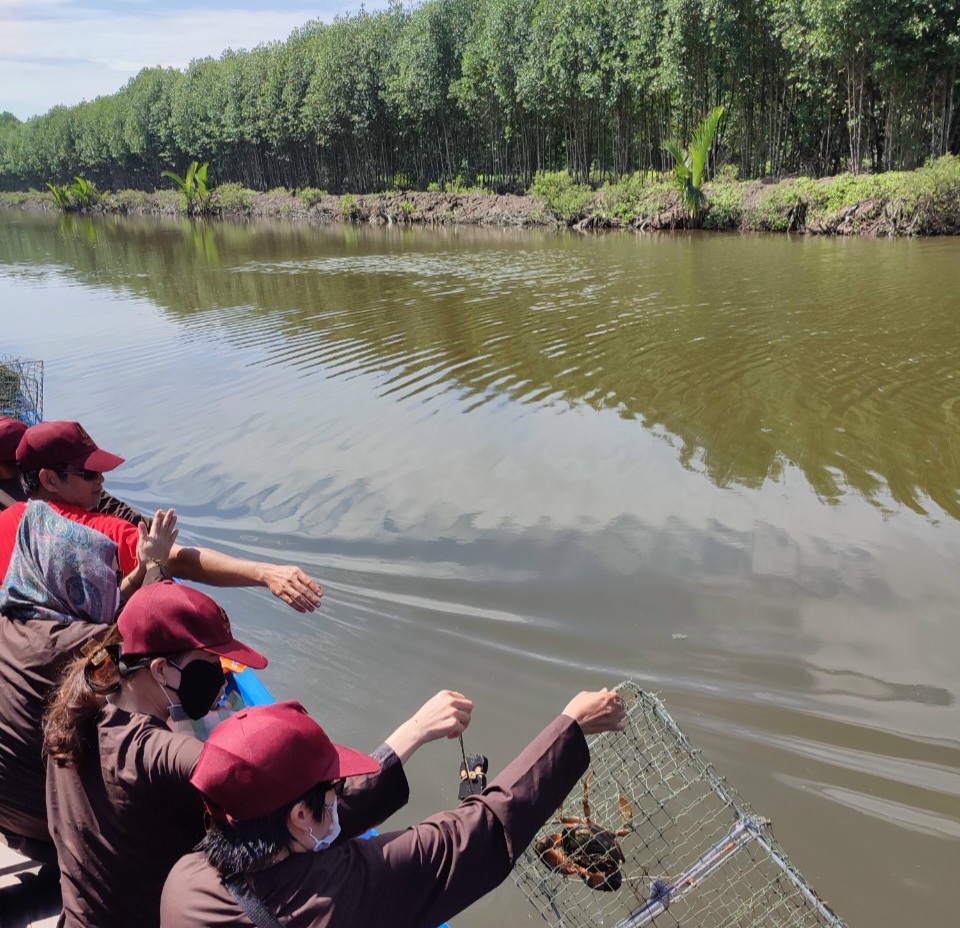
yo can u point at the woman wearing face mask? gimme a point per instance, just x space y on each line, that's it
120 807
60 590
270 776
120 804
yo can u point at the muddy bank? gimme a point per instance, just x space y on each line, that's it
864 206
383 208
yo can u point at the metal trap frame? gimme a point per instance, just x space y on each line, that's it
21 389
695 853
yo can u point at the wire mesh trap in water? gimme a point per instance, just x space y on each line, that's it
21 389
654 836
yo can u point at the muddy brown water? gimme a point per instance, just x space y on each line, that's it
525 463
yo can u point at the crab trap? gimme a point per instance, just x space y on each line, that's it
654 836
21 389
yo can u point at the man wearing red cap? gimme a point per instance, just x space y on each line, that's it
271 781
11 487
61 464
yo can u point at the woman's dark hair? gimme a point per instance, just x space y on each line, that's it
30 482
70 718
244 846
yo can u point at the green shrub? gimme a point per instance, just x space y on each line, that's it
195 194
434 187
566 199
725 200
774 208
931 195
311 196
348 206
233 198
86 195
131 201
16 198
80 195
61 195
636 196
169 201
726 174
457 185
407 209
401 182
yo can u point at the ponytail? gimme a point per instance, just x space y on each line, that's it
70 719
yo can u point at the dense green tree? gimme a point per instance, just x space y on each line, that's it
501 89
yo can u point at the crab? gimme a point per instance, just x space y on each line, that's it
586 849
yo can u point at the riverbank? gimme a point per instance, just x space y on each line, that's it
921 202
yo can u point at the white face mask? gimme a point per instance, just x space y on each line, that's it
321 844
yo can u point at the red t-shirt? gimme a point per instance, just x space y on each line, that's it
123 533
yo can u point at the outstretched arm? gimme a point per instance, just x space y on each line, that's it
429 873
368 800
205 565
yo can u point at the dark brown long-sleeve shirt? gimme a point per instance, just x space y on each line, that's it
121 818
32 654
416 878
127 813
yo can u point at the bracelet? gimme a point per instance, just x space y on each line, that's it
161 565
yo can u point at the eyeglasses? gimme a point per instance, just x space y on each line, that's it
88 475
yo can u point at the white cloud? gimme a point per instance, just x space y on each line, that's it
43 63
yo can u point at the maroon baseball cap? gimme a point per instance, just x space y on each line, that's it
59 444
263 757
169 618
11 431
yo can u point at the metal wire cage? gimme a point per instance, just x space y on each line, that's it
693 852
21 389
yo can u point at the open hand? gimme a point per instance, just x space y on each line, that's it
291 585
156 542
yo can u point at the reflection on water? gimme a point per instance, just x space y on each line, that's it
523 463
747 354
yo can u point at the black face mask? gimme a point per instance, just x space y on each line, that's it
200 685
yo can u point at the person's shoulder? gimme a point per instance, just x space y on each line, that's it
193 894
142 729
139 724
111 526
196 864
12 514
143 744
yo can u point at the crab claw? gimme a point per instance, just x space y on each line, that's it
605 882
626 812
550 851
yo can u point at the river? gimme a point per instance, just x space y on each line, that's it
523 463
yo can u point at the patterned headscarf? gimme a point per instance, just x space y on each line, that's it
60 570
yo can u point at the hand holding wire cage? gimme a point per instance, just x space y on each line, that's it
666 840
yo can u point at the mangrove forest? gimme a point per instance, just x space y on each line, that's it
490 92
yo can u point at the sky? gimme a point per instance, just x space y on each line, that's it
65 51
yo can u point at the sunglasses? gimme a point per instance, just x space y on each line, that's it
88 475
